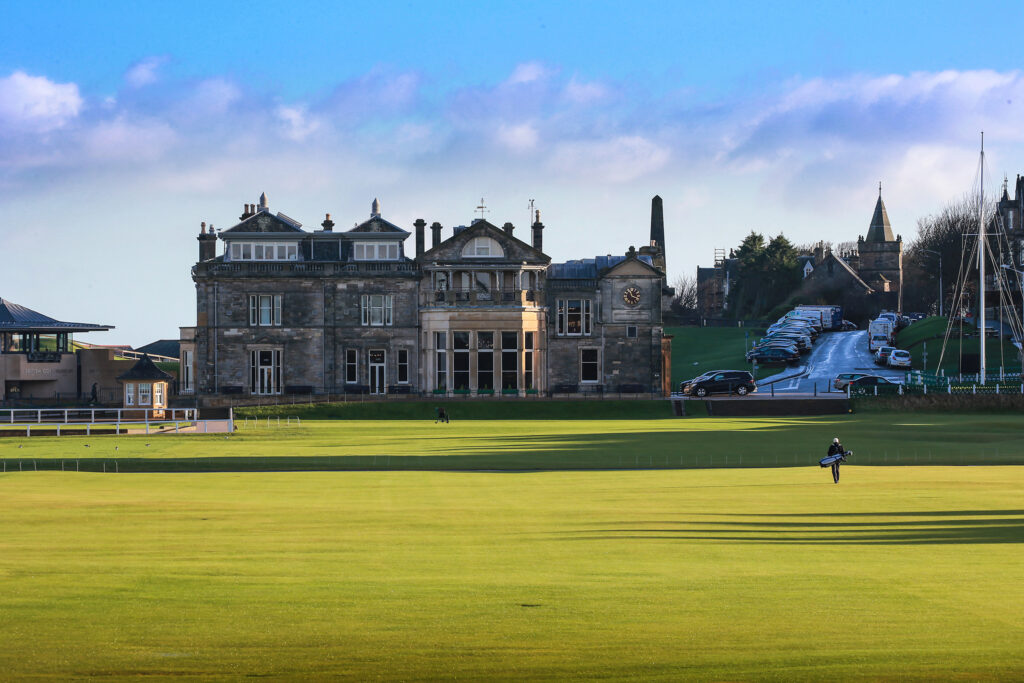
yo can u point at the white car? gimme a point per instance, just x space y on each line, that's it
899 359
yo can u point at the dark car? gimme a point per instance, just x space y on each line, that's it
725 382
687 382
776 355
872 381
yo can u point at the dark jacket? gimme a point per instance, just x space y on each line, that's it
836 449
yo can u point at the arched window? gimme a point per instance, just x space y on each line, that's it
482 247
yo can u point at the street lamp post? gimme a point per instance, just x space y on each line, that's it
939 254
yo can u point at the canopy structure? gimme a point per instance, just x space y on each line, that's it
17 318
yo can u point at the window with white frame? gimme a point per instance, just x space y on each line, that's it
575 317
187 372
528 360
129 394
265 371
589 365
158 394
376 309
351 366
460 361
509 360
482 247
265 310
440 347
403 366
485 361
263 251
375 251
145 393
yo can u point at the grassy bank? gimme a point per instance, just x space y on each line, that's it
928 335
593 409
897 573
698 349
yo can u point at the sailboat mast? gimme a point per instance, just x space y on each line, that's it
981 260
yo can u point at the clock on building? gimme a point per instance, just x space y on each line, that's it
631 295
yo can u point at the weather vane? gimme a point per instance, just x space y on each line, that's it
482 208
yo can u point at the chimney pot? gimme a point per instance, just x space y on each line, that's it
435 236
420 226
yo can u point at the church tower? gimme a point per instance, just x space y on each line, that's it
881 258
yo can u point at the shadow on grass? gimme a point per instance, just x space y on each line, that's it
942 527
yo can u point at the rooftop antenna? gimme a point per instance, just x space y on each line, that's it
482 208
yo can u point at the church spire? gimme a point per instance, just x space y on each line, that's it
880 230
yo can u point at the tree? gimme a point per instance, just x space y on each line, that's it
766 277
684 303
947 233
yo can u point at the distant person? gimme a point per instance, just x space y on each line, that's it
440 415
93 397
836 449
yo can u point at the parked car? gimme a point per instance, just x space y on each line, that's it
727 382
776 355
872 380
882 354
845 378
847 326
899 359
687 382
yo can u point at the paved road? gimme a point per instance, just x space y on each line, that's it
834 353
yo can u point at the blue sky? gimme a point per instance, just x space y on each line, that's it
123 125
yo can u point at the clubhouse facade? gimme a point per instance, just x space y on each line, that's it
482 312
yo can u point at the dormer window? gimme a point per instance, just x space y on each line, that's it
376 251
482 247
263 251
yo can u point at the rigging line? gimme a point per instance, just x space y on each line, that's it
959 293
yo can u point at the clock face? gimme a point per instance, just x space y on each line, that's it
631 295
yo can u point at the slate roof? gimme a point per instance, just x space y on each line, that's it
145 369
169 348
265 222
845 266
376 224
17 318
589 268
880 230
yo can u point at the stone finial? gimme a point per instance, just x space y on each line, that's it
537 220
632 252
375 208
264 205
202 228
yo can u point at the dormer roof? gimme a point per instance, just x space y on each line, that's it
378 227
264 222
145 370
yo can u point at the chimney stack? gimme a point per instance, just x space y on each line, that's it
421 226
435 237
538 233
328 224
508 228
207 242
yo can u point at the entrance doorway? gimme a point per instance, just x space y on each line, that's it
378 376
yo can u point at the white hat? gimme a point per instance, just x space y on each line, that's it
835 440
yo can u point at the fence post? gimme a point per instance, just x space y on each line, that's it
925 389
876 390
974 388
815 388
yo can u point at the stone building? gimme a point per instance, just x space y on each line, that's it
286 311
881 259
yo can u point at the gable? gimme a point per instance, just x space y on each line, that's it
512 247
378 225
632 267
264 222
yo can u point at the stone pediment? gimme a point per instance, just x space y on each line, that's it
632 267
264 222
514 249
377 225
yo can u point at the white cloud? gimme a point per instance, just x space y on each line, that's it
122 139
36 104
585 93
528 72
298 125
616 160
518 138
214 96
144 72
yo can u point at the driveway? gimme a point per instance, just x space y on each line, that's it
835 353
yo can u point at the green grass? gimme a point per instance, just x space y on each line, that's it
897 573
931 331
877 439
528 409
698 349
